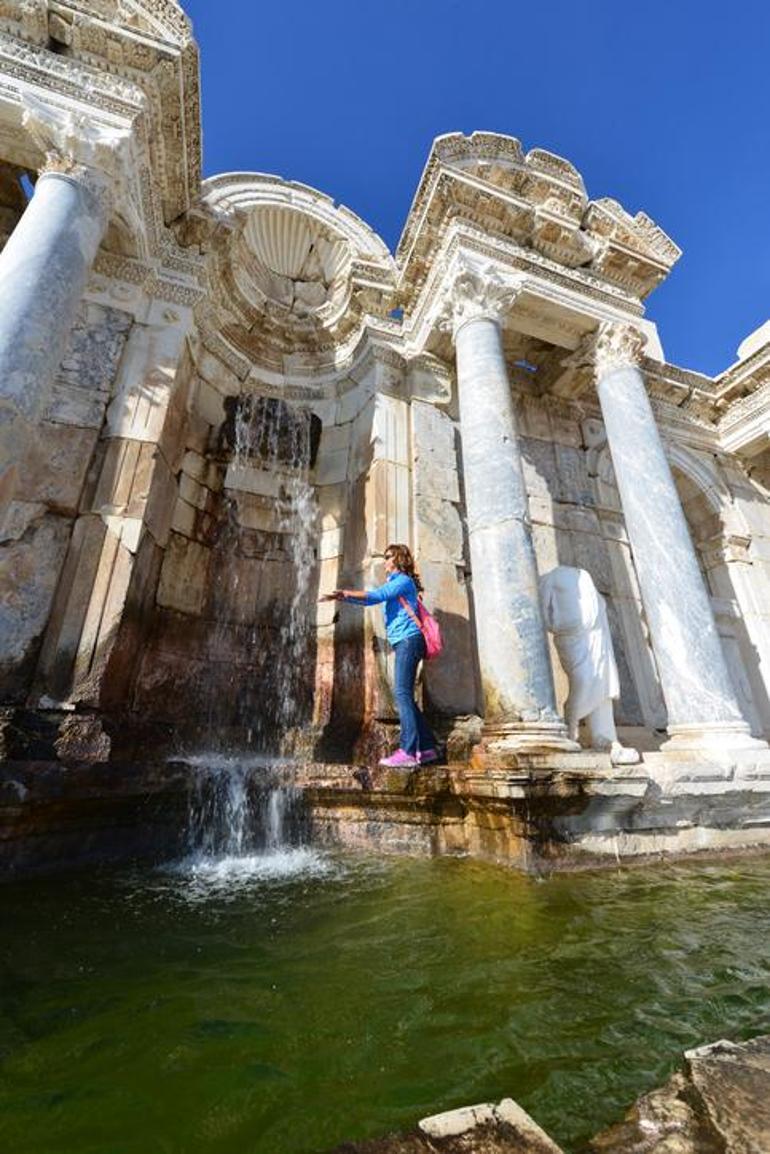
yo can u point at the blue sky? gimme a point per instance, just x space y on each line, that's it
664 106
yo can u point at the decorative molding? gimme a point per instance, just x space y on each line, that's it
617 346
476 294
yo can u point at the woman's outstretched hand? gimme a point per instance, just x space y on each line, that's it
337 595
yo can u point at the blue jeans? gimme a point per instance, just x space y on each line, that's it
415 733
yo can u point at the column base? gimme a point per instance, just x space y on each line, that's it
528 737
716 735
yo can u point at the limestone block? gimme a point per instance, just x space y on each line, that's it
589 552
56 465
331 544
194 465
541 476
435 457
532 418
541 509
192 492
335 437
387 505
217 374
390 430
161 500
251 480
96 344
276 582
565 429
235 594
18 518
326 614
116 465
183 518
128 530
209 404
184 576
332 505
326 411
29 572
351 403
438 530
255 512
92 545
571 466
544 538
361 440
331 468
576 519
329 575
145 384
437 479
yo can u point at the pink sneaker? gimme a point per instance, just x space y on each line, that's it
399 760
426 756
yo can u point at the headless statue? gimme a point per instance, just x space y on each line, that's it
576 615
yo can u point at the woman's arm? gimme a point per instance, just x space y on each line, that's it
390 591
344 595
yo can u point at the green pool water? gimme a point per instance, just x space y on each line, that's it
286 1003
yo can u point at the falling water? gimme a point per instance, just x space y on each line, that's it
246 821
264 575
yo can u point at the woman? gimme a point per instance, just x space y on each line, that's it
402 584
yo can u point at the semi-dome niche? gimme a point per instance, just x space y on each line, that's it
294 271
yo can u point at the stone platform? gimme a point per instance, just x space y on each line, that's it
550 812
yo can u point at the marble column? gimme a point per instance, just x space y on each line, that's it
517 682
44 268
702 706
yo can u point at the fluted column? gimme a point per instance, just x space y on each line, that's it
699 695
519 700
44 268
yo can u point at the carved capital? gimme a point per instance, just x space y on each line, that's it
477 294
616 346
93 154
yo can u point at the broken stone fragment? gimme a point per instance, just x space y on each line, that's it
488 1128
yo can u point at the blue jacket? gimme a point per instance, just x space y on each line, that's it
398 623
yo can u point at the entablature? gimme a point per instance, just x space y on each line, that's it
536 202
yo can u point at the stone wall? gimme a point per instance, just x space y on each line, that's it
53 492
573 523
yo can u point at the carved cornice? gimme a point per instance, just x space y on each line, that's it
536 202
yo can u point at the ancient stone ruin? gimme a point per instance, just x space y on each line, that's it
223 397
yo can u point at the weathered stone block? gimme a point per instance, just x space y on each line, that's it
55 468
184 576
439 530
29 572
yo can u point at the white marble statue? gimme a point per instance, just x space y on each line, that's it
576 615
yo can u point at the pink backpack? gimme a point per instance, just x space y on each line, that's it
428 626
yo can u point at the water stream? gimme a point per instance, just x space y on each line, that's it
246 821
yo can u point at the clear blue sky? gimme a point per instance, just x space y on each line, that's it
664 106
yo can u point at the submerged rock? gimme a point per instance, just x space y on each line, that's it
719 1105
489 1128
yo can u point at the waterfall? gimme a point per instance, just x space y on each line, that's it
264 581
238 808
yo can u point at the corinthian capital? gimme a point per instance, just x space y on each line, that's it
96 155
616 346
477 294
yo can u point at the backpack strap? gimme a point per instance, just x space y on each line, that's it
411 612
